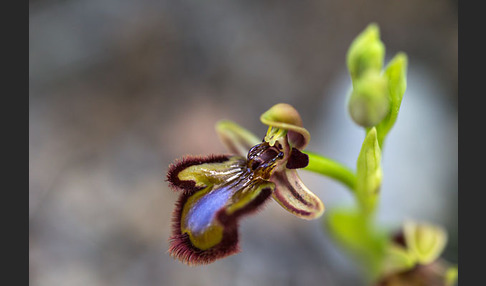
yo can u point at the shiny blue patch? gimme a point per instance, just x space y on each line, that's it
202 213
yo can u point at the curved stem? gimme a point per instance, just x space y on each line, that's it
332 169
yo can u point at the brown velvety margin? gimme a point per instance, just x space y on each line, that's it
181 246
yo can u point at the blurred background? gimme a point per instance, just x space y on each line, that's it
120 89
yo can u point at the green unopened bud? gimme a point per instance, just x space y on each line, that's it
366 52
425 241
369 103
368 172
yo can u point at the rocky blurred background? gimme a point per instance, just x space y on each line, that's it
119 89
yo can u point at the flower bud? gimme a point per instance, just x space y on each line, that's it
369 102
366 52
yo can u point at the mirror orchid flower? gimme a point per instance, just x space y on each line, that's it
217 190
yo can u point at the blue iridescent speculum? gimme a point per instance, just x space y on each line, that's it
218 189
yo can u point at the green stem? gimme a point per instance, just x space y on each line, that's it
332 169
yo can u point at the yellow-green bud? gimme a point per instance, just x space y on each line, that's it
369 102
366 52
